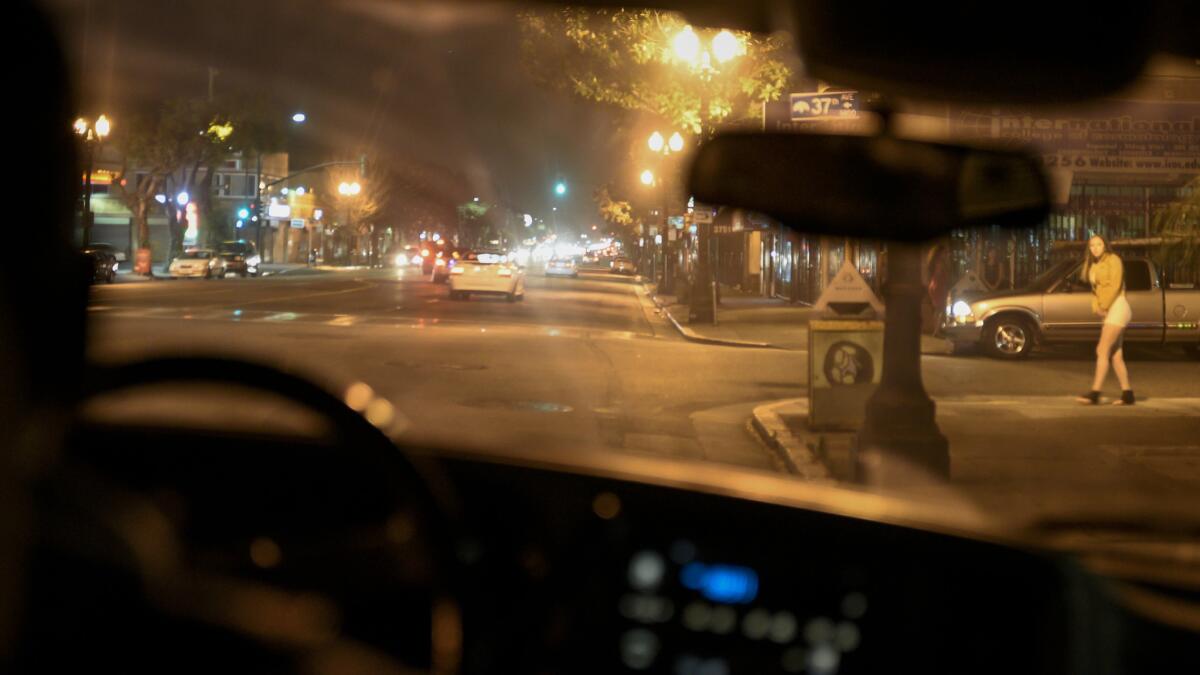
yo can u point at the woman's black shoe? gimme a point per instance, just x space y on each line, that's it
1090 398
1126 398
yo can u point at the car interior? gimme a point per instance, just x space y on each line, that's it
140 546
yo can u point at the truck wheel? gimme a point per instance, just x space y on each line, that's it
1008 337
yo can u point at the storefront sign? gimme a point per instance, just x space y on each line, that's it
1113 137
297 223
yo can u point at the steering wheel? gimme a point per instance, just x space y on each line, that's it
307 551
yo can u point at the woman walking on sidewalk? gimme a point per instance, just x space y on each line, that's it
1102 268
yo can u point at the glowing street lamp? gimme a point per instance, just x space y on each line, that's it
687 45
656 142
92 134
676 142
647 177
349 189
726 46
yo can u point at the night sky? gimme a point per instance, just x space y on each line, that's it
415 83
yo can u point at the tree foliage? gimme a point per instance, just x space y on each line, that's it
179 147
615 212
626 58
1178 225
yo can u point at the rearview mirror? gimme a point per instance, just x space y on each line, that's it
878 187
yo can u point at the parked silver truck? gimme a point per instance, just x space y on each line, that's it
1057 307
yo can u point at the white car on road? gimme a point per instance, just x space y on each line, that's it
562 267
486 272
198 262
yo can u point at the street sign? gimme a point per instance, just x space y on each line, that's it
848 293
702 215
297 223
825 105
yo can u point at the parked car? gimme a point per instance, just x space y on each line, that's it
1057 307
622 265
198 262
486 272
240 257
117 253
103 262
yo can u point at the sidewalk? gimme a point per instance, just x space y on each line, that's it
1023 453
750 320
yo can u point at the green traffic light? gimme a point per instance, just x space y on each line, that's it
243 213
560 189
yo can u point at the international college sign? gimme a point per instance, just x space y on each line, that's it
1111 137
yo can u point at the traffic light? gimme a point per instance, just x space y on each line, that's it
243 213
560 188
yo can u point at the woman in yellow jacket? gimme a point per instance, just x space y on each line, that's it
1104 271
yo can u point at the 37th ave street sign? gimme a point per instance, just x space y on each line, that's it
825 105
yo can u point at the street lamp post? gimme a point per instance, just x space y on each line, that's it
664 147
349 190
92 133
723 48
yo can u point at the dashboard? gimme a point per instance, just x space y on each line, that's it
568 572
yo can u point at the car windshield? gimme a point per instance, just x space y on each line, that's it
350 143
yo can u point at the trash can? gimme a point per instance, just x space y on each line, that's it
845 362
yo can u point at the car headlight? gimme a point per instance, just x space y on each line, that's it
961 310
114 267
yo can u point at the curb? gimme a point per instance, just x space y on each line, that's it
692 336
796 453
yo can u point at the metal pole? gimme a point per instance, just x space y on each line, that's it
703 297
258 203
87 191
899 433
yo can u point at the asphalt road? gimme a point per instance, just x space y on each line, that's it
588 363
581 363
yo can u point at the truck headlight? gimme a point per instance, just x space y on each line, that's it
961 311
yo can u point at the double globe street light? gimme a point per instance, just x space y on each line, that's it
706 62
92 133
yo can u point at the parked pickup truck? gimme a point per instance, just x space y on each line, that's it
1057 307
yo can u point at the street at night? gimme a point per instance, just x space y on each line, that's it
470 337
591 363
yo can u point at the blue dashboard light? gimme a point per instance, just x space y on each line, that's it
729 584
